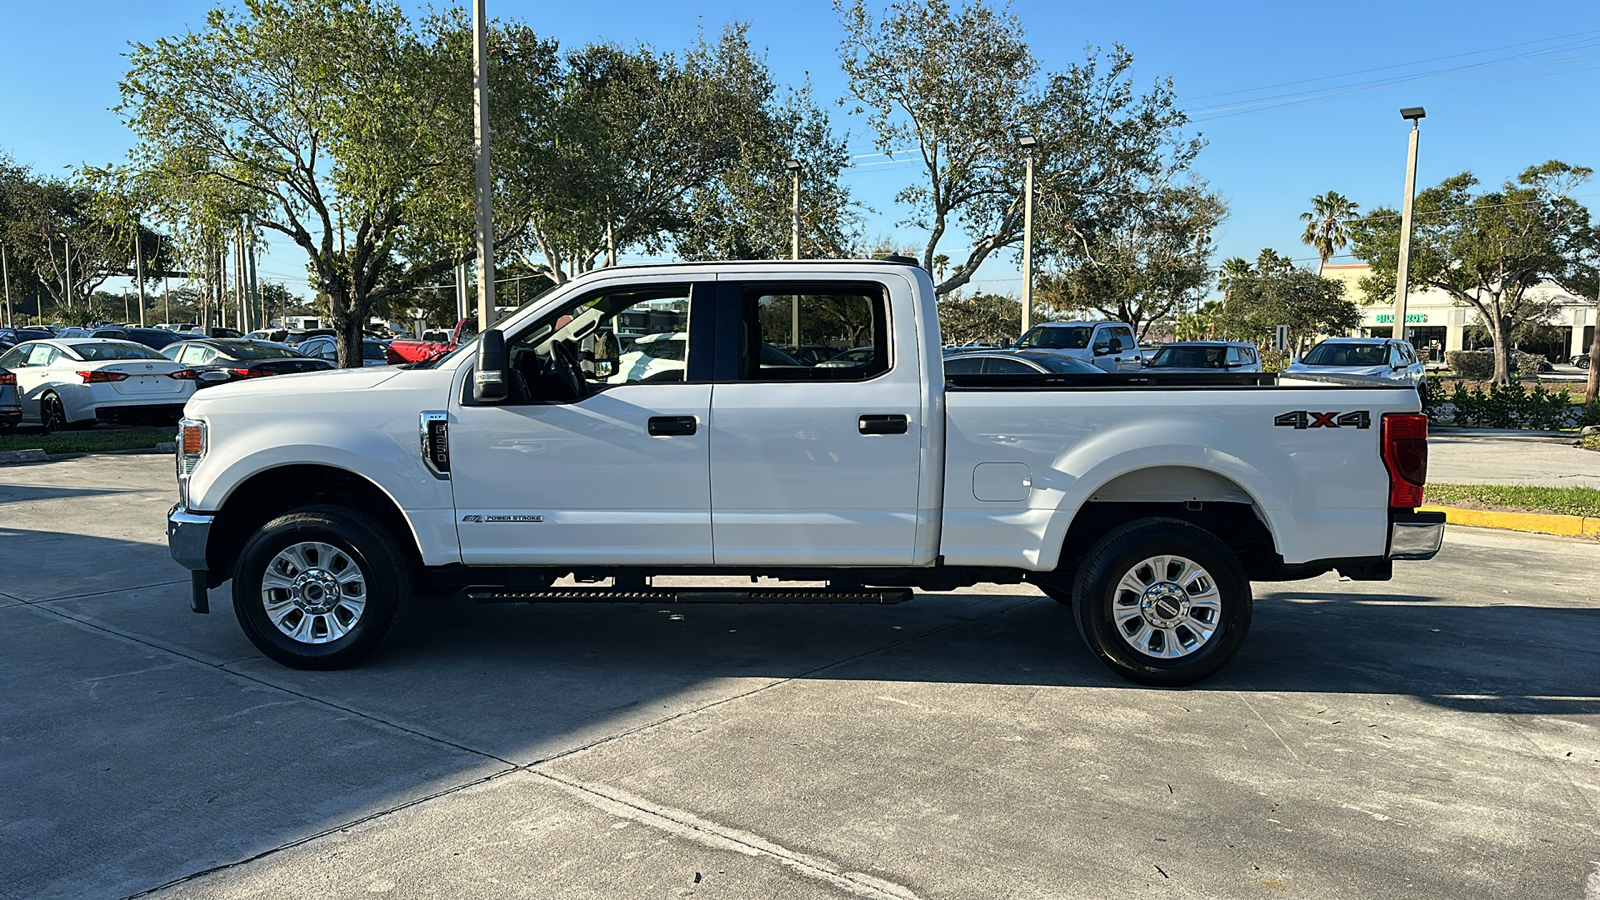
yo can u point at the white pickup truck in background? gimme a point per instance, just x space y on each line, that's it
1106 345
1146 502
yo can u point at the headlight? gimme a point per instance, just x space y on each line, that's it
192 441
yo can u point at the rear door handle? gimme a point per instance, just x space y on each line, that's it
882 424
670 426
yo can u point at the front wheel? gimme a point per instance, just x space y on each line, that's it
320 588
1162 602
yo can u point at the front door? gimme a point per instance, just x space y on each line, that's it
600 455
817 463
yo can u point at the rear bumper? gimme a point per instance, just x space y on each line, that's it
161 413
1415 535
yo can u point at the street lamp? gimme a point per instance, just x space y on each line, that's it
1027 141
1413 114
793 165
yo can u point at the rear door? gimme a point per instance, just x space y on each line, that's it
816 465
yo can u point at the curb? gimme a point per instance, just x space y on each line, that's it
28 456
1535 523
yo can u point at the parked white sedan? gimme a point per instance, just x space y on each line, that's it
77 382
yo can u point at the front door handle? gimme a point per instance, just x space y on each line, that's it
670 426
882 424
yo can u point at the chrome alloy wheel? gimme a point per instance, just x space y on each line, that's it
1167 607
314 592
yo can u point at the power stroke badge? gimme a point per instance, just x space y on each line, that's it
500 519
1302 419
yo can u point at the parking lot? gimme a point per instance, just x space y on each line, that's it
1433 736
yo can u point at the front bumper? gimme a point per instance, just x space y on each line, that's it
187 534
1415 535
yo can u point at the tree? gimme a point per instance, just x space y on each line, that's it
988 318
630 149
1279 294
957 86
333 123
1148 263
1328 225
43 219
1233 270
1483 249
746 212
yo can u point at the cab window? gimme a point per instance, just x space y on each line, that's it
575 351
813 332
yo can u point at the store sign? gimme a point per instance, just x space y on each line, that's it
1411 318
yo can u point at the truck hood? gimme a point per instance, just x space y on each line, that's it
308 383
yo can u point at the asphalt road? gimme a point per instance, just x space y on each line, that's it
1504 457
1434 736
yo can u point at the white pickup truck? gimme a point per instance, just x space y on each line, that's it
1147 503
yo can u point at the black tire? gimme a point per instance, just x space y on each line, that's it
319 624
1169 616
53 414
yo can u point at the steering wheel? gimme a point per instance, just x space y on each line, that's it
564 372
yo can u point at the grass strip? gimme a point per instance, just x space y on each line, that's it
1566 501
90 441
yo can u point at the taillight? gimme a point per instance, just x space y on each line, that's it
182 374
7 378
1405 455
252 373
100 377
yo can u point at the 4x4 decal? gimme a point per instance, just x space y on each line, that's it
1302 419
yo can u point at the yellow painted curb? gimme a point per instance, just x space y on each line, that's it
1537 523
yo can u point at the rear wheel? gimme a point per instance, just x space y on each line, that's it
320 588
52 414
1162 602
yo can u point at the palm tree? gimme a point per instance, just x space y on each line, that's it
1327 225
1234 269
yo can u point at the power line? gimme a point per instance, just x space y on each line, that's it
1419 62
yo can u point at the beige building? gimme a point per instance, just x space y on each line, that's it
1436 323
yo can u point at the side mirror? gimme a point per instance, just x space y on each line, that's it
489 381
1102 348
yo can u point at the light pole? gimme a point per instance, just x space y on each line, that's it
1027 142
793 165
138 266
480 148
1403 270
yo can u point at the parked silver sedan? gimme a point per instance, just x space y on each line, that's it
1386 358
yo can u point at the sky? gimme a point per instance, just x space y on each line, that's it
1292 99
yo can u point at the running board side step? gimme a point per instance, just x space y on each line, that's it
689 595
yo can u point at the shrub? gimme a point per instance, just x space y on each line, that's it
1471 363
1508 406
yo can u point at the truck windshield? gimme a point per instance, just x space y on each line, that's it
1191 357
1059 337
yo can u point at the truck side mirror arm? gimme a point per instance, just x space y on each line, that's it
489 383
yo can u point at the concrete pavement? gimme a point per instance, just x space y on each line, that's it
1471 456
1433 736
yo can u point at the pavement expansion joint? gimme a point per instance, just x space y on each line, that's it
680 823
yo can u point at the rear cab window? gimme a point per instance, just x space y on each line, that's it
845 327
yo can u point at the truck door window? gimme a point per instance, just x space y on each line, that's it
813 332
577 350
